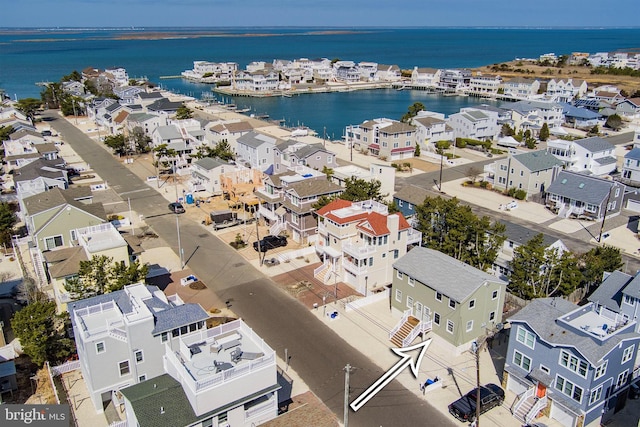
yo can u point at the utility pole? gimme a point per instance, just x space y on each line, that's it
606 210
441 150
260 259
347 371
179 243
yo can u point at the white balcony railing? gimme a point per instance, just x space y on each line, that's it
358 250
414 236
533 412
354 268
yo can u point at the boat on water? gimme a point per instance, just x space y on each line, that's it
286 95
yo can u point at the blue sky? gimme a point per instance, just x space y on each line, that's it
322 13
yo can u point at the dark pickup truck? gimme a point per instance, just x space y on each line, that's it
270 242
464 408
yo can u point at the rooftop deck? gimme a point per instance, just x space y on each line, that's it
597 321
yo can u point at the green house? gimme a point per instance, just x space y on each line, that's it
461 302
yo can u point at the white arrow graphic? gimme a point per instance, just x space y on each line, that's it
406 360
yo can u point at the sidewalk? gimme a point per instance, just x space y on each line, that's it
367 329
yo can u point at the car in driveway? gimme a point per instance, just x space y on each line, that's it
176 207
464 409
270 242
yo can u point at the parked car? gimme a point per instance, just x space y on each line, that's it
270 242
176 207
464 409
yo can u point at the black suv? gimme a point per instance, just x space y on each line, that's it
464 408
270 242
176 207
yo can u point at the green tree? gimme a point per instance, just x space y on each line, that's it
42 333
117 143
614 122
416 152
594 131
50 95
71 105
544 132
323 201
74 76
8 220
327 171
141 140
183 112
223 151
594 263
507 130
122 275
100 275
539 271
452 228
29 106
412 112
359 190
5 131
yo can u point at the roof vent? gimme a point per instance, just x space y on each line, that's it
581 185
564 181
162 410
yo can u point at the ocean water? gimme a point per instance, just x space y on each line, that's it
28 56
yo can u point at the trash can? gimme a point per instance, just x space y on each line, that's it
189 198
634 391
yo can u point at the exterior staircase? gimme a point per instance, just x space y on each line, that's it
405 329
322 273
524 408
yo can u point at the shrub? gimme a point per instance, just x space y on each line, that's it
484 184
461 143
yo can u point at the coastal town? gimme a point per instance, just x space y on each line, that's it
172 261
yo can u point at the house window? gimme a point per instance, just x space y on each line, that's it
139 356
164 337
450 326
398 295
521 360
568 388
436 318
400 202
574 364
628 352
628 299
494 295
396 253
452 303
371 262
142 378
399 275
100 347
525 337
601 370
469 325
595 395
472 304
492 316
544 369
124 368
411 281
622 378
409 301
53 242
438 296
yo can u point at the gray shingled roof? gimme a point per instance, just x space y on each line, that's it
576 186
541 315
308 150
444 274
606 160
169 132
172 318
163 104
254 139
536 161
57 198
210 163
622 138
609 292
594 144
41 168
313 187
412 194
633 288
521 235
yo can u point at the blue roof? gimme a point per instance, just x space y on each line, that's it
634 154
578 112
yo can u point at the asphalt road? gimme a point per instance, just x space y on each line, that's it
316 353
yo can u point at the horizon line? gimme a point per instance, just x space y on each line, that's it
342 27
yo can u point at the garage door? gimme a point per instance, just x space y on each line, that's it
516 386
562 415
633 205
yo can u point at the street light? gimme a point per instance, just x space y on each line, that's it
179 243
